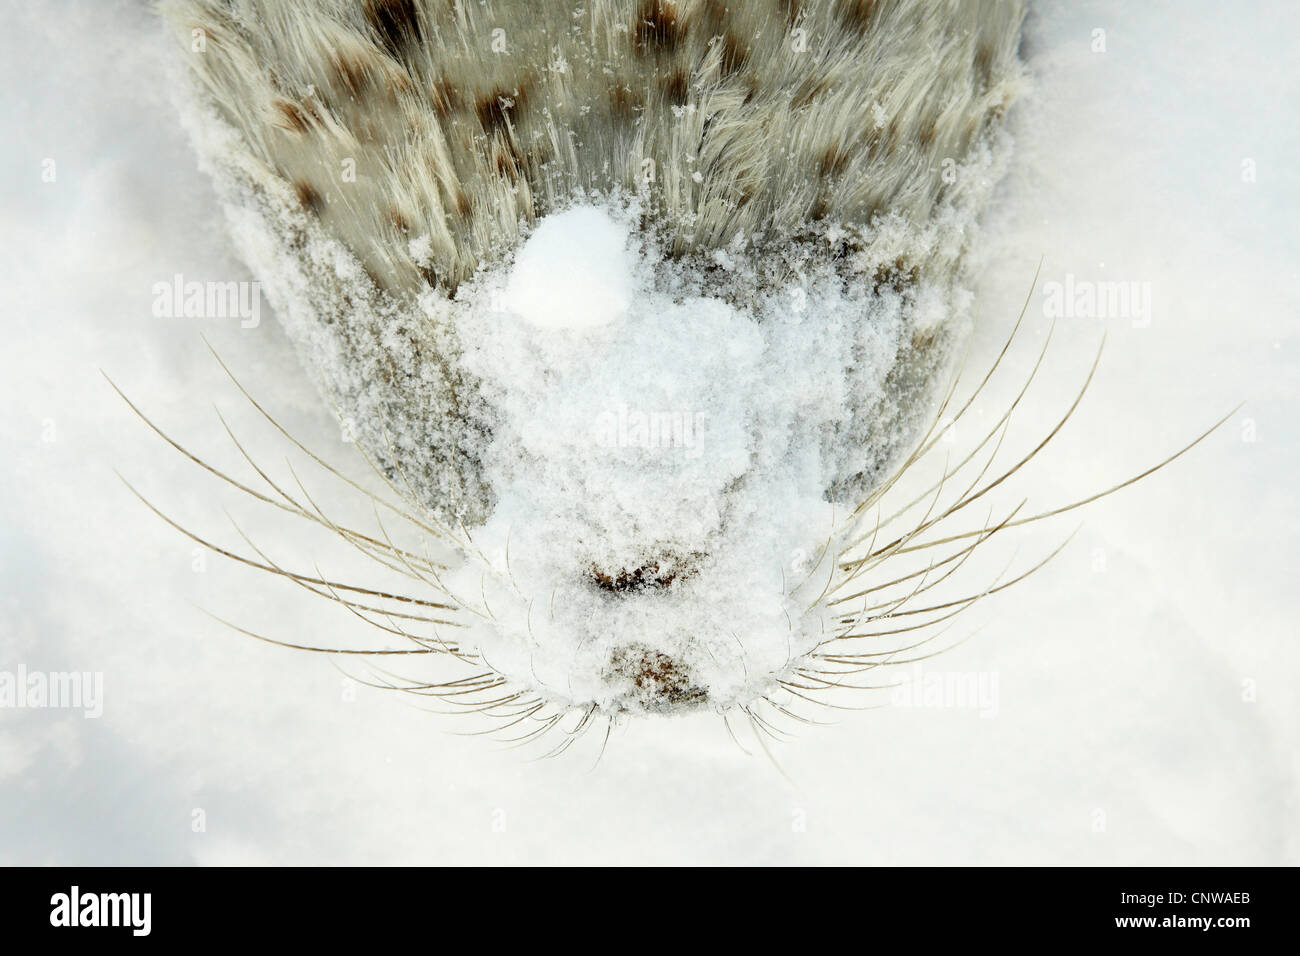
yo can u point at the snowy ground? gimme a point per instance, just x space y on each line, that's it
1146 708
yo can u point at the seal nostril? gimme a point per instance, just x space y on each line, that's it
658 682
651 576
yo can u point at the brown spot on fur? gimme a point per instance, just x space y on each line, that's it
810 92
890 139
463 207
928 135
396 23
497 109
308 197
289 117
658 27
624 103
398 221
493 111
734 54
855 15
397 81
507 164
983 65
352 74
676 88
834 161
446 98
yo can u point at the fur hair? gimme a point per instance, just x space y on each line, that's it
467 121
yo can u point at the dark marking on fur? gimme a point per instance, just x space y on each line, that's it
834 161
624 103
493 110
676 88
397 220
445 97
889 142
855 15
396 23
983 65
397 81
734 54
507 163
809 92
658 29
308 197
352 74
289 117
499 109
463 205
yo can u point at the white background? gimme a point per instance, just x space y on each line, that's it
1123 731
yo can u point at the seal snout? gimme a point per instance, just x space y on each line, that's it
654 575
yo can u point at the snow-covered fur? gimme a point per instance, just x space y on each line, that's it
794 184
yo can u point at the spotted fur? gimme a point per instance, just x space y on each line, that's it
480 118
461 124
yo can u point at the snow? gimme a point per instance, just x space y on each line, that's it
1145 710
572 272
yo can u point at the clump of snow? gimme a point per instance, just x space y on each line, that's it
572 272
421 250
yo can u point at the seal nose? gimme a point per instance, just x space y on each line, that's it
656 681
652 576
